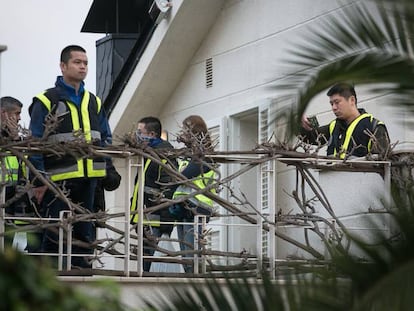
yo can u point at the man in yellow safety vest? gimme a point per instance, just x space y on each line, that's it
156 188
354 132
13 174
79 114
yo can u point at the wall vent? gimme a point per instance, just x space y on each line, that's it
209 72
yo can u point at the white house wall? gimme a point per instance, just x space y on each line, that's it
248 44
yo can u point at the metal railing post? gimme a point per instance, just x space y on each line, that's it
196 244
259 242
127 227
272 218
140 224
203 230
2 210
60 246
61 253
69 243
387 183
2 219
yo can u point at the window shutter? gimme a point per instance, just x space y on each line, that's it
267 177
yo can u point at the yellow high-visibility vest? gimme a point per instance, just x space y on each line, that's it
11 166
348 135
201 181
150 219
73 120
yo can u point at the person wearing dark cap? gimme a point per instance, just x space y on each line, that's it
354 132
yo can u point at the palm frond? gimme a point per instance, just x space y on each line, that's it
358 28
367 43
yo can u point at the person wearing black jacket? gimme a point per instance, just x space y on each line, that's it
156 186
354 132
79 114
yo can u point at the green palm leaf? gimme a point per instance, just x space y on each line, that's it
368 43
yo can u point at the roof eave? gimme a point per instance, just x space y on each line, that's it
171 48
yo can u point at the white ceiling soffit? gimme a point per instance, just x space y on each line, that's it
164 61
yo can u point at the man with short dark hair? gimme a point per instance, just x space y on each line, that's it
156 185
11 109
78 112
12 173
354 132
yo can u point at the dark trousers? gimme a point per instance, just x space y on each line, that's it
81 191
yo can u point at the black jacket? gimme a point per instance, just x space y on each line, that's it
358 145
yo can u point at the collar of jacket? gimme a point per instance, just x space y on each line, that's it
69 91
343 124
154 142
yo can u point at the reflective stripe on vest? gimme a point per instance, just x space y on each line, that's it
376 123
201 181
348 135
11 166
22 222
150 219
82 166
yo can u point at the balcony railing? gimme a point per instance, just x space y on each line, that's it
121 252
